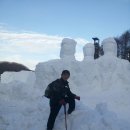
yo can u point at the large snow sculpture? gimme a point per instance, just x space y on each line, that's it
88 69
108 63
112 72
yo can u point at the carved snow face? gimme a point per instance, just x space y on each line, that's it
110 46
67 48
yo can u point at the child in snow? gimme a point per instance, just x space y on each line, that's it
59 95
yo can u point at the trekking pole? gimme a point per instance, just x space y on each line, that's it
65 116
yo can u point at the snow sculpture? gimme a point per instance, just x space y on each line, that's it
88 69
108 63
67 49
112 69
51 70
110 46
88 51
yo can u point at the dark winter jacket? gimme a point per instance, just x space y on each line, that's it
60 90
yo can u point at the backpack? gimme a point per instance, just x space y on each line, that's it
48 91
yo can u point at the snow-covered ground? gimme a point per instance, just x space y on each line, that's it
103 85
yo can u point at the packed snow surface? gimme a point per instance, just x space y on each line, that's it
102 84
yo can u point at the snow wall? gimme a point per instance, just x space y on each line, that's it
103 85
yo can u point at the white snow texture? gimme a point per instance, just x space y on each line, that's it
102 84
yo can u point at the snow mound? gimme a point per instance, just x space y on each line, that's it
95 119
32 114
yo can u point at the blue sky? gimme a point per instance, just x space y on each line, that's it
78 19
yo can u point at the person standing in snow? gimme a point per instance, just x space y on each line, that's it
60 94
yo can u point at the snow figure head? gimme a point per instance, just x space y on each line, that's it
88 51
109 46
68 49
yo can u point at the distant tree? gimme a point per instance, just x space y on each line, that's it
128 50
101 51
119 48
123 45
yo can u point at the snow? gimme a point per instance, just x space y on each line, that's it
68 49
103 85
88 51
22 76
110 46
